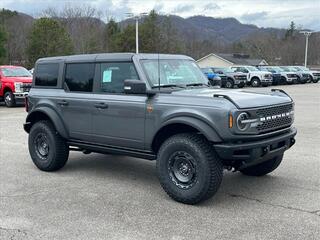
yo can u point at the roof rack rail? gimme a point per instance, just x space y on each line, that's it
226 97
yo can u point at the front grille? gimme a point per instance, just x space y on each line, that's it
292 75
305 75
26 87
276 123
223 78
316 74
241 77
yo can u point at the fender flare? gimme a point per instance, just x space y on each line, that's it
209 132
52 115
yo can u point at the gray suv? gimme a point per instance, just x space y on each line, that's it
156 107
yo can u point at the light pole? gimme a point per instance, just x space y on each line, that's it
136 17
307 35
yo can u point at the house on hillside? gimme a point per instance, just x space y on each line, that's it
229 59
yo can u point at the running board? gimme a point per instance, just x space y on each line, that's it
112 150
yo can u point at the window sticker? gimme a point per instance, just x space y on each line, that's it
107 75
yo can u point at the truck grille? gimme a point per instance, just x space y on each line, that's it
305 75
241 77
316 74
26 87
277 122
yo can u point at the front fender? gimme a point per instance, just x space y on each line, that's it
198 124
49 113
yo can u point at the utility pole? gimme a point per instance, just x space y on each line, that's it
136 17
307 35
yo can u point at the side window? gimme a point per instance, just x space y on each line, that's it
112 76
47 74
79 77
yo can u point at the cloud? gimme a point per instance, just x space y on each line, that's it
183 8
249 17
158 7
211 6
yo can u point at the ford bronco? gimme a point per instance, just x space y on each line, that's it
157 107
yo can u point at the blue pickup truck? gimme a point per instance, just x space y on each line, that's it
214 78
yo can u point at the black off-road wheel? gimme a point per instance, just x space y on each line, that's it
9 99
263 168
255 82
188 168
314 80
48 150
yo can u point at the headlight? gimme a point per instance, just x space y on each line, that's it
17 86
242 124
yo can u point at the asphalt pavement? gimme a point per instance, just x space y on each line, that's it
114 197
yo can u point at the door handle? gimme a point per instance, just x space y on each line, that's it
101 105
63 103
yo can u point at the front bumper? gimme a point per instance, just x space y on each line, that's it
19 97
266 81
246 154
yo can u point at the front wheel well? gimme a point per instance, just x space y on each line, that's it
167 131
7 89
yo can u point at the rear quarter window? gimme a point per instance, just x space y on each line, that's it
47 74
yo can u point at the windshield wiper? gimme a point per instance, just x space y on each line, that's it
196 84
169 85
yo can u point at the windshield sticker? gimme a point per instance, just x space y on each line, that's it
107 75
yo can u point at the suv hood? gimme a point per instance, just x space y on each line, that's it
17 79
243 98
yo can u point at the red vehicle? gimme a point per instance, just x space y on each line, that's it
15 83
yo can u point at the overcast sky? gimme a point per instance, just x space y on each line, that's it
264 13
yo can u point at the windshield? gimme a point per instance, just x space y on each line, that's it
16 72
304 68
293 69
173 72
287 69
278 69
252 68
224 70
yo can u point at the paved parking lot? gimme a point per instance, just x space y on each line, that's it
112 197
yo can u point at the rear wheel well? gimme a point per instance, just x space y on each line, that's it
36 117
167 131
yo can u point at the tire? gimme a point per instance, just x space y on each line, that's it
48 150
188 168
263 168
314 80
9 99
255 82
229 83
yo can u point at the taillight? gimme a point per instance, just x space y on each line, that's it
26 103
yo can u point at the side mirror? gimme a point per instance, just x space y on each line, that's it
135 87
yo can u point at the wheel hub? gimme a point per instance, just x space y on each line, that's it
182 169
42 146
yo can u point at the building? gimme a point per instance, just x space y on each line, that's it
229 59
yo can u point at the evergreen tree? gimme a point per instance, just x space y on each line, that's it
3 39
48 38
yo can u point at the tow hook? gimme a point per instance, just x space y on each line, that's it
265 150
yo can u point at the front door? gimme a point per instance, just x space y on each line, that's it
118 119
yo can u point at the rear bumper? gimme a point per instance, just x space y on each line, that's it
251 153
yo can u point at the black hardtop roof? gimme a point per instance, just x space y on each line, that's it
110 56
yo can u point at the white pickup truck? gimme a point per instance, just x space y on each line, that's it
255 77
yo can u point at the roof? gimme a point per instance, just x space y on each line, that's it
111 56
239 59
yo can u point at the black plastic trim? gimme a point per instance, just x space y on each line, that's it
106 149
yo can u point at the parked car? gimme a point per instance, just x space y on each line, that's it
214 78
156 107
314 76
15 83
287 77
303 77
276 74
255 77
230 78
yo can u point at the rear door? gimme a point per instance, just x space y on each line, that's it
118 119
75 101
